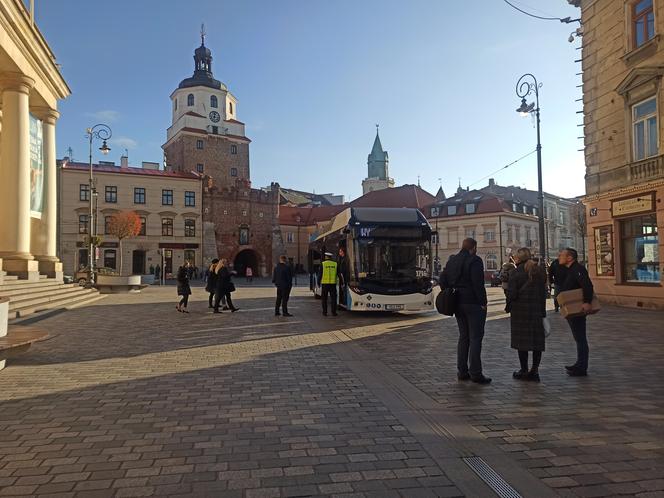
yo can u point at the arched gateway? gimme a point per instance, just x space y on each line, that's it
246 258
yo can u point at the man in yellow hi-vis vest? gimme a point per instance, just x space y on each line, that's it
328 281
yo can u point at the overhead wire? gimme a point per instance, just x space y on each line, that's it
504 167
533 15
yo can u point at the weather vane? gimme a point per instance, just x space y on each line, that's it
202 34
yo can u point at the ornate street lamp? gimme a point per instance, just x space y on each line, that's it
100 132
527 85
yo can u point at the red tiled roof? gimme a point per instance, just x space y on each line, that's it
410 196
308 215
129 171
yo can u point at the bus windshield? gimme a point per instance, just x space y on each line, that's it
390 262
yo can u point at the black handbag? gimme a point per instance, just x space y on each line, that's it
446 301
231 287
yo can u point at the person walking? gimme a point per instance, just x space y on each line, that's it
249 274
184 289
282 278
465 272
557 276
526 303
328 280
505 273
577 278
157 274
224 286
344 276
211 282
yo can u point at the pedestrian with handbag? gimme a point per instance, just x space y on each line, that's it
225 286
211 283
465 272
577 278
282 278
184 289
526 303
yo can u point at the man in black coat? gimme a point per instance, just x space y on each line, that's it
557 276
282 278
465 272
577 278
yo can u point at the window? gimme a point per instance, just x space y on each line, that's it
517 235
144 223
109 258
190 199
175 104
84 192
470 208
139 195
561 216
528 240
260 215
644 129
233 149
225 211
82 223
470 233
434 238
525 210
640 249
190 255
515 208
215 130
643 22
190 99
199 144
167 197
111 194
213 101
190 228
167 227
290 237
200 168
244 212
534 211
230 108
244 236
451 210
107 224
491 262
233 171
489 236
510 234
435 211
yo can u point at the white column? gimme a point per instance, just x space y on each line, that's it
15 170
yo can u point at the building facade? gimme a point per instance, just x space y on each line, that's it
169 204
499 226
240 223
623 96
378 172
31 86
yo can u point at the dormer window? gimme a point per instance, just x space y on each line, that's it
213 101
451 210
190 100
470 208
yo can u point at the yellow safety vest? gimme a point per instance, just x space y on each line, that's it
329 272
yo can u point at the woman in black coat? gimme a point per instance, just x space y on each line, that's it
211 285
526 302
184 289
224 286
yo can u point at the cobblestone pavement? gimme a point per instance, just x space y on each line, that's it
130 398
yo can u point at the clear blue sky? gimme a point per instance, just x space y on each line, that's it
313 77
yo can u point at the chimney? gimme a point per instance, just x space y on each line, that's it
492 182
150 165
124 161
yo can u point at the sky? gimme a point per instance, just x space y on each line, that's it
314 77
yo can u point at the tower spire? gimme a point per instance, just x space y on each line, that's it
203 34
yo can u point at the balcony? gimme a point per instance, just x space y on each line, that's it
646 169
628 174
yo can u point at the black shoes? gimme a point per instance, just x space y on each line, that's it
334 314
463 376
520 374
533 376
481 380
216 311
577 372
287 314
233 310
324 313
276 313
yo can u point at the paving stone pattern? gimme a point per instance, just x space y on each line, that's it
130 398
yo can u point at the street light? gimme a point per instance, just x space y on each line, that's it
298 219
100 132
525 87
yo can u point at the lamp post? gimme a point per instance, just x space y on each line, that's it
298 219
526 85
100 132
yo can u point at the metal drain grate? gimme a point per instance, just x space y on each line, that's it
491 478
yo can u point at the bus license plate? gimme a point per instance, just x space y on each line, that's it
393 307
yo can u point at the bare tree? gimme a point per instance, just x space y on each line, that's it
124 225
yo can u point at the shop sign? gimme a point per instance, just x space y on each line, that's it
633 205
604 251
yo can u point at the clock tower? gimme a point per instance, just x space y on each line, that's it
205 136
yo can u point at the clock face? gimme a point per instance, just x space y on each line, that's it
215 117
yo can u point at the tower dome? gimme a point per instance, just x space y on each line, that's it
202 69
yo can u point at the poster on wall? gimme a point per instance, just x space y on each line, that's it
36 167
604 251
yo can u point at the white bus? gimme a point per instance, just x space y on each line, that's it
387 266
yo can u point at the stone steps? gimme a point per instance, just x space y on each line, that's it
59 303
43 296
23 287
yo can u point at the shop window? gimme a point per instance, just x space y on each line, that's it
644 129
110 258
84 192
167 227
640 249
643 22
190 228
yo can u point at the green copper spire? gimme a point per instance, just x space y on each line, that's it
378 160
